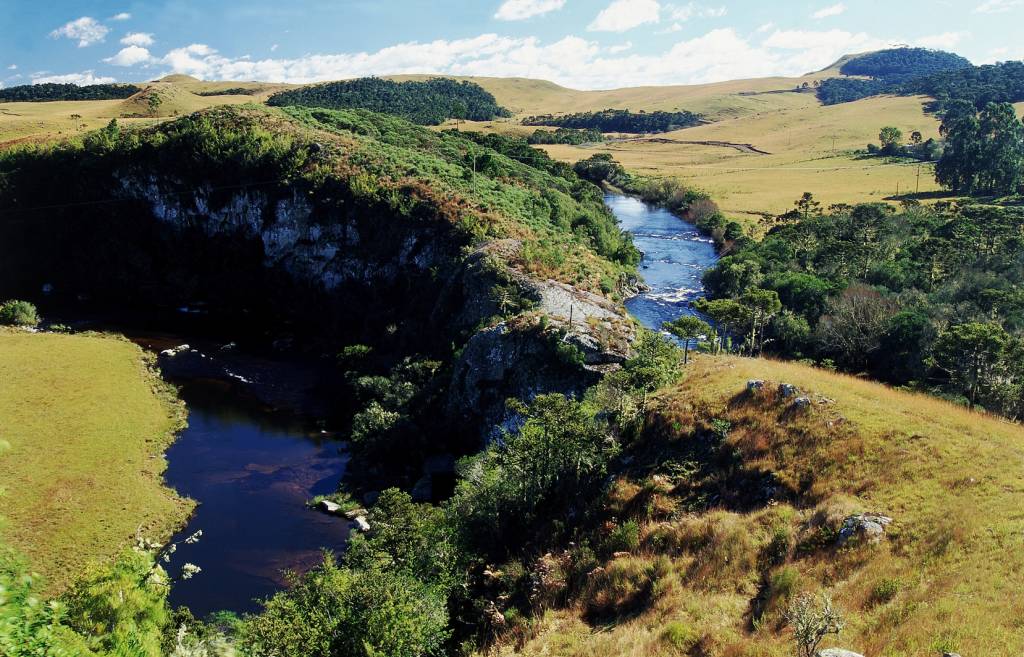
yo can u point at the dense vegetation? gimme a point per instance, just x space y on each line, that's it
926 297
903 63
51 91
978 85
565 136
886 71
619 120
983 152
430 102
892 145
230 91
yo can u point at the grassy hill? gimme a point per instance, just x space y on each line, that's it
86 424
780 481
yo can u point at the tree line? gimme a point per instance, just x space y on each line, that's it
52 91
924 297
426 102
569 136
619 120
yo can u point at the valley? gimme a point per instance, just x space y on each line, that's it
413 366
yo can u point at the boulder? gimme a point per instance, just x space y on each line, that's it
175 351
787 390
328 506
802 402
838 652
867 527
361 524
355 513
754 385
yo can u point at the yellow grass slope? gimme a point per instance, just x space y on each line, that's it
810 149
86 424
946 577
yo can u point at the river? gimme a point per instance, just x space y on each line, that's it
252 469
675 257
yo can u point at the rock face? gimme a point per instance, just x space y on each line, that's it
570 340
866 527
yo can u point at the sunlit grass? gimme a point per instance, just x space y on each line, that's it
87 424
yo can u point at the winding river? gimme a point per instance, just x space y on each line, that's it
252 470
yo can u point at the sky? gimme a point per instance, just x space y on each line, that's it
583 44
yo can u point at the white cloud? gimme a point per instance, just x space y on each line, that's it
129 56
123 16
12 67
517 10
683 13
86 30
81 79
997 6
273 48
767 27
622 47
622 15
809 50
137 39
832 10
718 55
944 41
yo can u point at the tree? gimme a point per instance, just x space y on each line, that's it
687 328
762 305
854 323
1002 149
18 313
916 138
811 623
728 315
972 355
806 205
891 138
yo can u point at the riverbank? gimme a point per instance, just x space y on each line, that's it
87 420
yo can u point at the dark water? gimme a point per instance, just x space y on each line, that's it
675 257
252 472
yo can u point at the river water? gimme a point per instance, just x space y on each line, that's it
675 257
252 470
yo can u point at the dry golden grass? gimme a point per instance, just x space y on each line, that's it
812 149
87 423
946 578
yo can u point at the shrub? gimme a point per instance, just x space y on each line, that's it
624 538
783 584
679 635
885 590
18 313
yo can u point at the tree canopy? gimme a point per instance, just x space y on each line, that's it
620 120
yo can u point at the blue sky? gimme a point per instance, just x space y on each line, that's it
586 44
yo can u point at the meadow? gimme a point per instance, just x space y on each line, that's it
85 426
943 579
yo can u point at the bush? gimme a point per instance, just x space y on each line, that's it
679 635
624 538
18 313
885 590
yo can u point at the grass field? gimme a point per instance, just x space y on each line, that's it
87 424
946 578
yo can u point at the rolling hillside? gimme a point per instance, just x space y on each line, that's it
941 578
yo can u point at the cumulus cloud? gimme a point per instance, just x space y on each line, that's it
622 15
130 56
622 47
997 6
81 79
683 13
832 10
86 30
12 67
138 39
123 16
810 50
944 41
517 10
